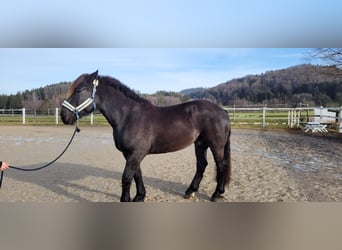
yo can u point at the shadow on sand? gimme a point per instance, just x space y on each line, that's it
62 177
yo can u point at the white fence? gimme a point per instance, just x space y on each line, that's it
51 116
255 116
265 116
290 117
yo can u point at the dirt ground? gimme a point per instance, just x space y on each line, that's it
267 166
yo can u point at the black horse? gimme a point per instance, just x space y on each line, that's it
140 128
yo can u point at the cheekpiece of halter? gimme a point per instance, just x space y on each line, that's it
83 105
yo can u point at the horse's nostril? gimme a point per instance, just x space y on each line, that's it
67 118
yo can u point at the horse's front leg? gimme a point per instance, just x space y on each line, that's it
132 169
141 192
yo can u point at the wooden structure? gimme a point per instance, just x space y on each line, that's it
337 126
294 118
323 120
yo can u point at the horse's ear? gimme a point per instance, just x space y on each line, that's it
94 75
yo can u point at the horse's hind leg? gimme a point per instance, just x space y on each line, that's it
220 175
201 156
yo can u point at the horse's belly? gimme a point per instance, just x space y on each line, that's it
172 141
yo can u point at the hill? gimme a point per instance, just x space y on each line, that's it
42 98
305 84
52 96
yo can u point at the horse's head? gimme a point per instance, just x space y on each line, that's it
80 98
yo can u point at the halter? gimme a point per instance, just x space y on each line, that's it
83 105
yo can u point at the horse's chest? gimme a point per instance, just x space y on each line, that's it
129 140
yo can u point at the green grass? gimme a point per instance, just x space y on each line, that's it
48 120
255 119
239 119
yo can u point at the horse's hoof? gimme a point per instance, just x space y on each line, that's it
191 196
125 200
214 198
139 199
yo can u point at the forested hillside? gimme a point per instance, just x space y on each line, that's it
36 99
305 84
52 96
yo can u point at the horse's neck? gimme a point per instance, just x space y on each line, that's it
114 106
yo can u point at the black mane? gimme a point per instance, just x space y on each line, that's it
126 91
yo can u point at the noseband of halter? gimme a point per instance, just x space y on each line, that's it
83 105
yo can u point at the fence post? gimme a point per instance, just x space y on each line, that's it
24 115
56 116
92 118
234 113
339 121
298 118
264 117
291 119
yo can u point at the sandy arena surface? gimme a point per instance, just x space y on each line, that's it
268 166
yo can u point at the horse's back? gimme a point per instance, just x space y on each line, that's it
208 114
178 126
197 112
211 121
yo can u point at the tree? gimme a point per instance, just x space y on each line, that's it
3 101
33 102
329 57
15 101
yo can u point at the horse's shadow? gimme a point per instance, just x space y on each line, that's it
61 178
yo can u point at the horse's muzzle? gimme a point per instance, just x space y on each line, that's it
67 116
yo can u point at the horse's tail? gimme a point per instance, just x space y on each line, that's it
227 159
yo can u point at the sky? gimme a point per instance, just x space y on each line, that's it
176 23
146 70
182 44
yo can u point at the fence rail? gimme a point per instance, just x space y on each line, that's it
250 116
268 117
50 116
